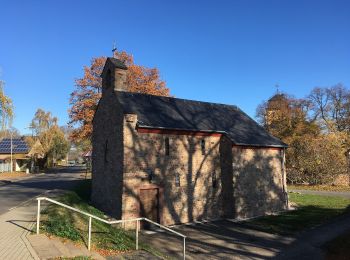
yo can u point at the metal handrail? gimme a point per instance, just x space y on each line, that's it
39 199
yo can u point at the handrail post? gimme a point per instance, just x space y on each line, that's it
184 248
38 218
137 233
39 199
89 236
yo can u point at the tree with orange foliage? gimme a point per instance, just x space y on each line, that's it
88 90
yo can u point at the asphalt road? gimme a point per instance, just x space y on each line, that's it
13 194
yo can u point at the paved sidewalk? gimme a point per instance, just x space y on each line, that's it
15 225
56 248
222 239
229 240
308 244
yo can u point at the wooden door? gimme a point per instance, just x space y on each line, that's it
149 205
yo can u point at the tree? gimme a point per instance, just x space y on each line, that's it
88 90
316 130
316 160
52 138
331 107
6 109
11 131
42 122
58 145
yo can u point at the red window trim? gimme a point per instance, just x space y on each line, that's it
256 147
175 132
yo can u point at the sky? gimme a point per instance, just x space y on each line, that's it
232 52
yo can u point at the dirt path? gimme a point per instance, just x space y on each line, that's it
344 194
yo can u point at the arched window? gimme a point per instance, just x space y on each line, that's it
203 146
177 179
109 79
213 179
167 146
106 152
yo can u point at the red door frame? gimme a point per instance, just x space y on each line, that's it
160 199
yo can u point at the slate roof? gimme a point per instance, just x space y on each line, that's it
18 146
181 114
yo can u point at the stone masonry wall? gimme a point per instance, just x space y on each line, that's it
107 155
144 154
257 181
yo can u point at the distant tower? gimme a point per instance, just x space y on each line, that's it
276 107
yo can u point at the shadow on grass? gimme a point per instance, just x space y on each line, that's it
338 248
324 210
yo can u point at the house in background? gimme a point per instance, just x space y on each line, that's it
36 154
87 159
175 161
20 155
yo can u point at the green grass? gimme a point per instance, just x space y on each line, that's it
312 210
62 222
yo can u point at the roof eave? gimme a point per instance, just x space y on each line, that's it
13 153
262 145
180 129
212 131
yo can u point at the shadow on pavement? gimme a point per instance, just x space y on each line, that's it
15 222
219 240
66 169
47 184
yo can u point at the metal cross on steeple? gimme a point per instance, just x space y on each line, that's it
114 49
277 88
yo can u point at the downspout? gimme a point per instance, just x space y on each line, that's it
284 176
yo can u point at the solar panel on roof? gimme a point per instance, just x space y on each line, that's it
18 145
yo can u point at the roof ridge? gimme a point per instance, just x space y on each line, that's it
183 99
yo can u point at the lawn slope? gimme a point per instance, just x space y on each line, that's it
312 210
64 223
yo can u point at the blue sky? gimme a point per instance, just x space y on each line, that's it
232 52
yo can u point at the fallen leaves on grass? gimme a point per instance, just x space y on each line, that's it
110 252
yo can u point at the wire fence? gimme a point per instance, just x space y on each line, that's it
5 167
